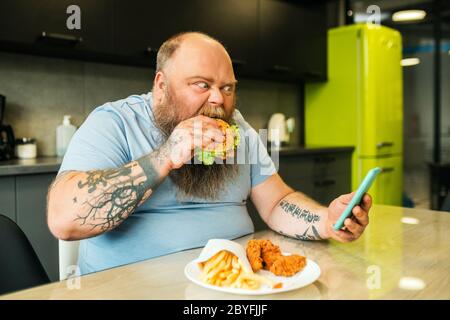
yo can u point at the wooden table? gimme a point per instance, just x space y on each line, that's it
394 259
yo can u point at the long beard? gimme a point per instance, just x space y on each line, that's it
194 180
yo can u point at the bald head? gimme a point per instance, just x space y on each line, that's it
188 41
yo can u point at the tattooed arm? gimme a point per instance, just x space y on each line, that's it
300 217
288 212
296 215
86 204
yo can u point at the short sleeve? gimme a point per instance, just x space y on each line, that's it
261 164
99 143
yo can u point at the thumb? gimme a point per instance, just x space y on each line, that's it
345 198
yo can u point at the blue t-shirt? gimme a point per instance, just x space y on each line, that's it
121 131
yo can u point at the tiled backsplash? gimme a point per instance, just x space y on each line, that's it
39 91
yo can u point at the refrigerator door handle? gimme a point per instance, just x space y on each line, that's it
387 169
384 144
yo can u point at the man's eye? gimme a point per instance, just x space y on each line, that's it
202 85
228 88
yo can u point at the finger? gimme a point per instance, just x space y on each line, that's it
199 126
207 135
346 198
213 134
229 140
205 120
361 216
343 236
353 227
211 145
366 203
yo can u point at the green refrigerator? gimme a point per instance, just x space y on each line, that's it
361 105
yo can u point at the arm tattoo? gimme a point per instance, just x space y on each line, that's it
309 218
116 193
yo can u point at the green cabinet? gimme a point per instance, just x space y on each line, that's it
381 104
361 103
385 188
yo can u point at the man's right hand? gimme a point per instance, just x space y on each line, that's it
197 132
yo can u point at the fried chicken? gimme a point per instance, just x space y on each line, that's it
269 253
254 255
287 266
263 254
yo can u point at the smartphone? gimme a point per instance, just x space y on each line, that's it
362 189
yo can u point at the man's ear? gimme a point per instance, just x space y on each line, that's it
159 84
160 80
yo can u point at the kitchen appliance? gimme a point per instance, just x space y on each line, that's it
26 148
277 129
6 134
280 129
361 105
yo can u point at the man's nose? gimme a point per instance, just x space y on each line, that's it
215 96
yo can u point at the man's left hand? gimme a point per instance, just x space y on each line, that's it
354 225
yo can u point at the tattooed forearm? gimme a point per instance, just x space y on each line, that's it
114 194
299 217
305 236
309 218
298 212
86 204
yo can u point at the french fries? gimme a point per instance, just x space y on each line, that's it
225 269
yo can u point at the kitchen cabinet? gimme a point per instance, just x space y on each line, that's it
328 188
31 197
233 22
7 197
141 27
23 198
293 40
322 176
24 22
276 40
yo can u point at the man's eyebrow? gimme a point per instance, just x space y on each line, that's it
212 80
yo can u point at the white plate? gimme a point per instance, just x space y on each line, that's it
308 275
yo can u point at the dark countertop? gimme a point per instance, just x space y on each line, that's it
287 151
52 164
30 166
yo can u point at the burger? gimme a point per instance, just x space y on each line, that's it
207 157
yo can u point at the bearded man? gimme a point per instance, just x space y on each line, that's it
129 188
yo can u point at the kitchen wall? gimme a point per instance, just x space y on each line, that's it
39 91
418 109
